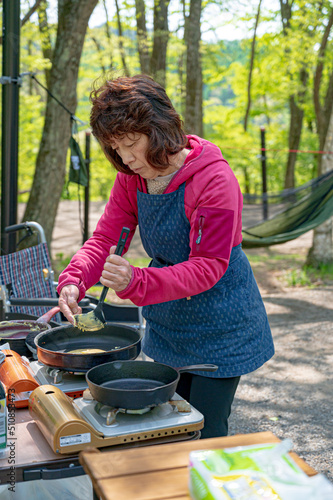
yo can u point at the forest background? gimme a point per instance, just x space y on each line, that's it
278 75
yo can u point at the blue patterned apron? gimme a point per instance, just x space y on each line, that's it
226 325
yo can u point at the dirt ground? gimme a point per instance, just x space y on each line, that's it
292 394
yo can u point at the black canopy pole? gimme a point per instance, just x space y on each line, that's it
10 120
86 191
264 173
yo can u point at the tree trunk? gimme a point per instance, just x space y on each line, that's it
248 107
286 9
323 111
160 43
321 251
100 51
295 129
296 102
180 68
193 112
120 40
73 17
142 37
322 245
31 11
108 33
246 180
182 62
45 38
200 131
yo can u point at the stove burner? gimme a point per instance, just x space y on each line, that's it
72 383
109 414
181 405
56 374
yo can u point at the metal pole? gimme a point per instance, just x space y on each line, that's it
264 174
10 120
86 191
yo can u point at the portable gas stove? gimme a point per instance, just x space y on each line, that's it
72 384
69 425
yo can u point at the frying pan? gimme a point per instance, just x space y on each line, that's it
17 328
14 316
134 385
118 342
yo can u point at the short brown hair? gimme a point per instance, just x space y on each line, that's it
136 104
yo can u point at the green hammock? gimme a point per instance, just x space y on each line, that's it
306 214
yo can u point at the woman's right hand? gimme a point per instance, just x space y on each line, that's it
68 297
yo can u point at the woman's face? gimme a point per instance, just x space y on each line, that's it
132 150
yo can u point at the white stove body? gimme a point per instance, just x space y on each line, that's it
164 417
161 417
70 383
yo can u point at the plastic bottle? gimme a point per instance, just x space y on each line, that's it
3 418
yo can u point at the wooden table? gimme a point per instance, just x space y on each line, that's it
158 472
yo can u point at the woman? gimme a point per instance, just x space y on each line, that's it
201 301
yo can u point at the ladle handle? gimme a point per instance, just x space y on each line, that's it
122 241
119 250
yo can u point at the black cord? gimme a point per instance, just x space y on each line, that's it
53 96
74 121
80 210
29 233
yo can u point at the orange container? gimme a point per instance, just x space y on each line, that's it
17 379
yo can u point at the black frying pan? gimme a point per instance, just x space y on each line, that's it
14 316
17 328
118 342
134 385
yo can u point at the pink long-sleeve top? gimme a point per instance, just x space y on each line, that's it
213 205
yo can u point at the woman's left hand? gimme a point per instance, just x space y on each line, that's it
117 272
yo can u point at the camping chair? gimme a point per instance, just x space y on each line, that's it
27 284
26 276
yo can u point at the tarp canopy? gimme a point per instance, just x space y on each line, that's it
306 214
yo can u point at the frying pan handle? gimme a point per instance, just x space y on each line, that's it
119 250
49 315
203 368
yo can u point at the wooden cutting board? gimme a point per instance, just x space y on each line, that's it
158 472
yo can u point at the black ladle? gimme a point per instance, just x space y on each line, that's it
95 320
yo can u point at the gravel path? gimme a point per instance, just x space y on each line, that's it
292 394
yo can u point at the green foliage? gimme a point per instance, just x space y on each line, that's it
290 269
139 261
59 263
310 276
30 130
279 57
298 277
32 106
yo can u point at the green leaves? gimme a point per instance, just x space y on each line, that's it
279 58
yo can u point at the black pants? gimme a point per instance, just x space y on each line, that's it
213 397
